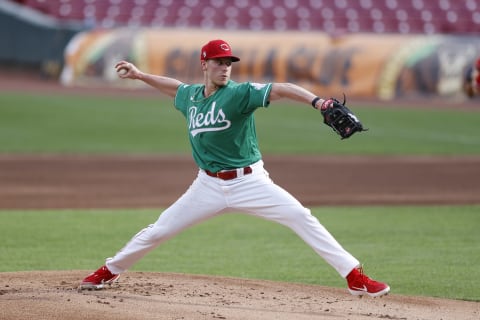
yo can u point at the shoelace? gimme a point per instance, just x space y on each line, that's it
103 272
364 277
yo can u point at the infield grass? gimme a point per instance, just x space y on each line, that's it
428 251
83 124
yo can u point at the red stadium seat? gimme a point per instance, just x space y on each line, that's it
412 16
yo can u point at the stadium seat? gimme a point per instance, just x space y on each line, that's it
405 16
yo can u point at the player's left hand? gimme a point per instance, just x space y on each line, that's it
340 118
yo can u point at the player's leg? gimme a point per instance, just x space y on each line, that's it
261 197
200 202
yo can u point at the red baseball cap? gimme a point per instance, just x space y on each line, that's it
217 49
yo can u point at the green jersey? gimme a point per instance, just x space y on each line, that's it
222 127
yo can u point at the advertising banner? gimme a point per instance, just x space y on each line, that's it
360 65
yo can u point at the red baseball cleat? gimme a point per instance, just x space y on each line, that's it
360 284
98 279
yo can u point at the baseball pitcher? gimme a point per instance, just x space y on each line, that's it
231 176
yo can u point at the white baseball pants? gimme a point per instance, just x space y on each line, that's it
255 194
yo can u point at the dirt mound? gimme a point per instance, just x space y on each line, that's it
53 295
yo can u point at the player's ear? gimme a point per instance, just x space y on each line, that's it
204 65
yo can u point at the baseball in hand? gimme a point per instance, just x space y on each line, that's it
122 71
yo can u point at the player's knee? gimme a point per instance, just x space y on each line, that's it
298 214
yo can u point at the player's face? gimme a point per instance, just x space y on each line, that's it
218 70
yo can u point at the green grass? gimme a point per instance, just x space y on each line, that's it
429 251
66 124
82 124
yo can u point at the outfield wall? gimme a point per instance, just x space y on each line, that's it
361 65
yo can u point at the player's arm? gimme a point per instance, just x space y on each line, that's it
335 114
293 92
166 85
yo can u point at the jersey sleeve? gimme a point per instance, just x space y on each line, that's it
180 101
254 95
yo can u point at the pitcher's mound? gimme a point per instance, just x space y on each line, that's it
53 295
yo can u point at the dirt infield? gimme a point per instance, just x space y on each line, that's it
79 181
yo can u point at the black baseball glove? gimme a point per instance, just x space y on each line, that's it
337 116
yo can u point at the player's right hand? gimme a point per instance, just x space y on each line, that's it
126 70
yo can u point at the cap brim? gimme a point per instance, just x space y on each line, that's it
234 59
